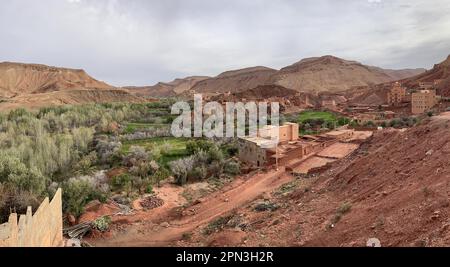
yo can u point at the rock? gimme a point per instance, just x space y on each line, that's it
136 205
429 152
436 215
71 219
73 243
165 225
198 201
373 243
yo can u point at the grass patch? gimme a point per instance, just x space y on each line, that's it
315 115
178 147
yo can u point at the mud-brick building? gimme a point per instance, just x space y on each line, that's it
254 149
426 85
261 151
423 101
396 95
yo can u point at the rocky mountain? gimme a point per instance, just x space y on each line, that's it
440 73
329 73
34 86
176 87
317 74
402 74
19 79
235 80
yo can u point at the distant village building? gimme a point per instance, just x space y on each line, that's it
396 95
437 82
254 149
375 117
426 85
329 104
260 151
423 101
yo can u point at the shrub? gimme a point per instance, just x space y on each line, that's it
14 172
85 165
136 155
180 169
341 211
102 224
198 173
121 182
232 167
195 146
215 155
266 206
76 194
160 175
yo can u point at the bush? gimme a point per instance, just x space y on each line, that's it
76 194
136 155
86 165
102 224
160 175
232 168
195 146
266 206
198 173
121 182
180 169
15 173
215 155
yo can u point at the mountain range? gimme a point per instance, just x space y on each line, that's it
34 85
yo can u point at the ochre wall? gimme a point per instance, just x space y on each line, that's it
43 229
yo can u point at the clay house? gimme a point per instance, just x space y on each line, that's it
396 95
340 135
260 151
254 150
423 101
426 85
329 104
375 117
437 82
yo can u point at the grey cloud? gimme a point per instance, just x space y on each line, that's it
141 42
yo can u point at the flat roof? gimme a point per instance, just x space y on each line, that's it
339 132
259 141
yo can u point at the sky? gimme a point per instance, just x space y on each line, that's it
141 42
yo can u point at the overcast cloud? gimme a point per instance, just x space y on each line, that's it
140 42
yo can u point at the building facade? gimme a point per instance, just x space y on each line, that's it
256 150
396 95
423 101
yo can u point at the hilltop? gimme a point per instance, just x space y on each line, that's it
34 86
316 74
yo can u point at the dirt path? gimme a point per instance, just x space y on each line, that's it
239 193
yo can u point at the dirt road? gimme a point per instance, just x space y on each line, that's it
241 192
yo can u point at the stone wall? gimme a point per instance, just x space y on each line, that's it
43 229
